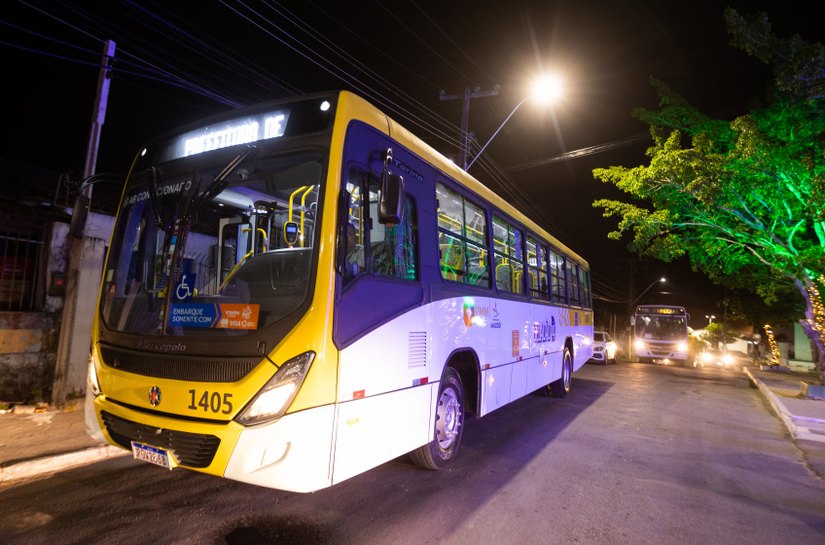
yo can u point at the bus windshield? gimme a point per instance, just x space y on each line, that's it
660 327
220 241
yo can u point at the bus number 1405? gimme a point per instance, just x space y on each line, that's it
210 402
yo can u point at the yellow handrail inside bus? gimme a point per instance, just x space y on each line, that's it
303 200
235 269
266 238
292 196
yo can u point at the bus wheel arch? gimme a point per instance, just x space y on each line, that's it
562 386
465 363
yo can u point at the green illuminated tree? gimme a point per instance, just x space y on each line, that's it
717 335
744 199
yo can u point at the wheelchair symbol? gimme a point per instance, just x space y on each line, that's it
183 292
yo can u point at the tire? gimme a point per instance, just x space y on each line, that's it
561 387
448 426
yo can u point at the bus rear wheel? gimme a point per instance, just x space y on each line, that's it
561 387
449 424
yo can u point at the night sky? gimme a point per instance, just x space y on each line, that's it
178 61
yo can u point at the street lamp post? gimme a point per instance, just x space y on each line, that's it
710 318
632 311
546 89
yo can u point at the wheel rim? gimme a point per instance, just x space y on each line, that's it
448 423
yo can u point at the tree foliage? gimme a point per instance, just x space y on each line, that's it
743 198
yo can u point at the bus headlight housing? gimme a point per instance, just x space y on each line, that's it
92 380
276 396
640 344
682 347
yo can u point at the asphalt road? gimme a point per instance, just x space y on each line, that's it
636 454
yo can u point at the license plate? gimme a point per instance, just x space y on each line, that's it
153 455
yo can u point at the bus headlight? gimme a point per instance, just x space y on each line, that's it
275 397
682 347
640 344
94 383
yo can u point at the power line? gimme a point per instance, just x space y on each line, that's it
581 152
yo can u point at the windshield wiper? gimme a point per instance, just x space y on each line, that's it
153 198
216 186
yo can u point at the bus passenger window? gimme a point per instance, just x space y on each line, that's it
557 284
381 249
394 247
507 246
462 239
537 263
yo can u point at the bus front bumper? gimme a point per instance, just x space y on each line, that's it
291 453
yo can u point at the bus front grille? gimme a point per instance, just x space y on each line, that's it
178 367
190 449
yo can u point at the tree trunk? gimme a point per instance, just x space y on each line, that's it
812 323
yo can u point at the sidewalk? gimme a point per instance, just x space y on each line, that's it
35 443
40 443
803 417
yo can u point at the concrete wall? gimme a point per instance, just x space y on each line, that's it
29 340
28 347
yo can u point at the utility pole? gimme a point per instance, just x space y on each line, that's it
84 268
631 290
465 116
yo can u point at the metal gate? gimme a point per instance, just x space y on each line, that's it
19 260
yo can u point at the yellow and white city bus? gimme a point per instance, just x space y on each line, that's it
300 291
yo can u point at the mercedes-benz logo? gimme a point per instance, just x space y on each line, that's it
154 396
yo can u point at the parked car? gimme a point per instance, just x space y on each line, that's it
725 359
604 349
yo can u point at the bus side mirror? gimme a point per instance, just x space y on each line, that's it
80 212
391 199
633 320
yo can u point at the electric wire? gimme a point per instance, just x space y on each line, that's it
434 124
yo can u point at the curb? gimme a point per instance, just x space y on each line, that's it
790 421
59 462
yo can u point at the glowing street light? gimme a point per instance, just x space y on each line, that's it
545 90
710 318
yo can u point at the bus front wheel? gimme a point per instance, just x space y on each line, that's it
561 387
449 424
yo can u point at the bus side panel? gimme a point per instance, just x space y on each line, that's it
384 394
496 390
391 357
377 429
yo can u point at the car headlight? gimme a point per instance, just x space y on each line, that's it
682 347
727 359
91 378
705 357
277 394
640 344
